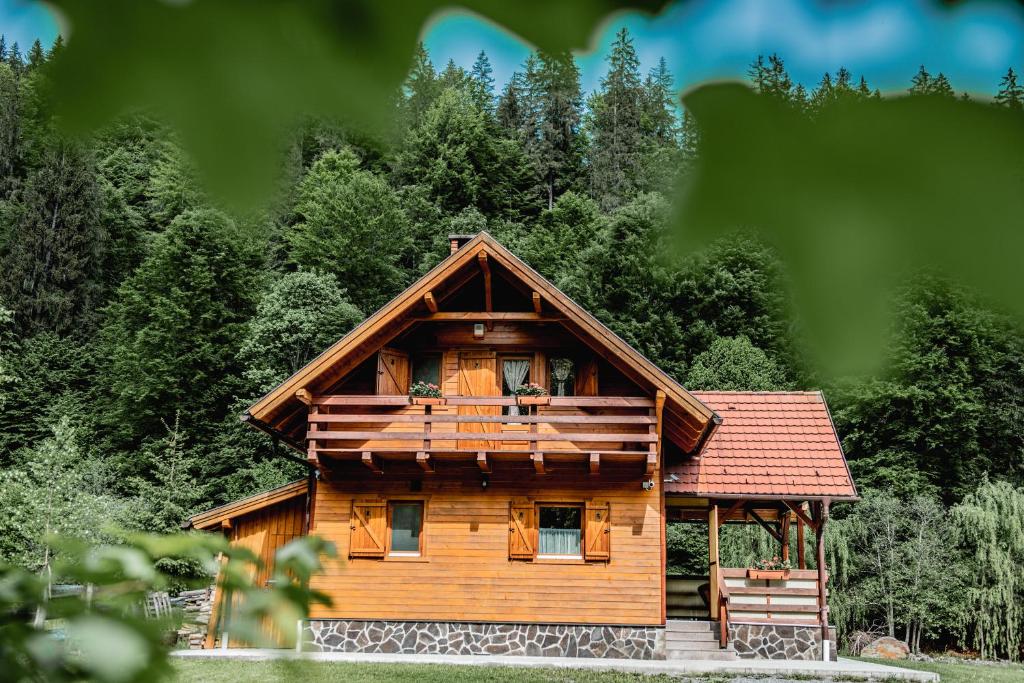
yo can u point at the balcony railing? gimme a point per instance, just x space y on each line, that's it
591 429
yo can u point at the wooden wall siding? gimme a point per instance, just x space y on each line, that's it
282 523
466 574
789 601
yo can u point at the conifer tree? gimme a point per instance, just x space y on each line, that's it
771 78
57 47
661 123
14 58
554 86
616 126
481 83
454 77
3 48
1011 94
923 83
36 55
512 110
421 86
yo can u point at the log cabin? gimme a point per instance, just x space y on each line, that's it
485 521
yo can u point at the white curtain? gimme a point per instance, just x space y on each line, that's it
515 372
559 542
561 368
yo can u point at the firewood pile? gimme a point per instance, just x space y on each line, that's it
195 606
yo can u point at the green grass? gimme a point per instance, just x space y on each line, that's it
226 671
962 673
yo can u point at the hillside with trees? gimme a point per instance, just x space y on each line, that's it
138 318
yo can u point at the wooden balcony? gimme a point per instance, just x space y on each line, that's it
573 429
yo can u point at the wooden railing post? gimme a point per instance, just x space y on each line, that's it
713 571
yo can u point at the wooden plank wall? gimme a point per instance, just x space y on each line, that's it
465 573
282 522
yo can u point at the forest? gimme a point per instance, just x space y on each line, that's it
139 317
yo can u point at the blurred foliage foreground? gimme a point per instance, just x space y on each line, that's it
102 635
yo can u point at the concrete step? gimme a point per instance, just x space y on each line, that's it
720 655
687 626
701 637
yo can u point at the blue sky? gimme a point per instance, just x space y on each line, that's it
886 40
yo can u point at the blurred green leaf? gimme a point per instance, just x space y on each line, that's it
110 650
232 75
858 199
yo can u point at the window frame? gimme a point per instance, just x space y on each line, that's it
419 555
549 370
415 360
580 556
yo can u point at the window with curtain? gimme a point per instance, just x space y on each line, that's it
406 528
515 372
560 531
426 367
563 375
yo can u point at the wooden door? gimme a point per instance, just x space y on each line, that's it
392 372
478 376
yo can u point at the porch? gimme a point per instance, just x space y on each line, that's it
586 431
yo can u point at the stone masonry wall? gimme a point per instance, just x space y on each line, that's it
763 641
455 638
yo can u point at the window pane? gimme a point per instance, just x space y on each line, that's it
406 521
427 368
560 531
563 376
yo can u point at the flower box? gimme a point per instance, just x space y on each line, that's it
428 400
768 574
533 400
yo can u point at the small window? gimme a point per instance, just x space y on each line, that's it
427 368
563 377
406 527
515 372
560 532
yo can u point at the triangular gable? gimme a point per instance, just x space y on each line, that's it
688 421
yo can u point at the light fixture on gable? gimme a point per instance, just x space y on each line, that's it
478 331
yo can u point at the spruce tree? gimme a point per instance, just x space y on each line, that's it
1011 94
511 111
920 84
36 55
481 84
454 77
557 102
661 122
421 87
616 126
14 58
3 48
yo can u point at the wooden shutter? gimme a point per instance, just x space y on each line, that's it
586 378
522 532
598 533
478 377
392 372
369 529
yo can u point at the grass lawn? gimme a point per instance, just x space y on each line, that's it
313 672
962 673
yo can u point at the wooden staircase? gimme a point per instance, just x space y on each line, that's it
686 639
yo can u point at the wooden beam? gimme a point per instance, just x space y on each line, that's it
595 463
371 462
225 524
767 527
538 463
801 514
722 519
785 536
536 302
652 464
481 258
801 561
481 461
487 316
423 460
430 302
713 568
304 396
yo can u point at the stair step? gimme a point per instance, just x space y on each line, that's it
721 655
702 637
692 645
688 626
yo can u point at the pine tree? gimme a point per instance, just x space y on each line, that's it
56 48
1010 95
36 55
3 48
772 79
661 122
512 106
421 87
14 58
941 86
923 83
482 83
50 265
454 77
554 86
616 126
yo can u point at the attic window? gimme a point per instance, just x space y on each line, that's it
426 367
563 376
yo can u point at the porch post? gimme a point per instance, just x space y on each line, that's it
784 529
801 561
713 560
819 534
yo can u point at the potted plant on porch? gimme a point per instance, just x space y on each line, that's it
774 569
425 394
532 395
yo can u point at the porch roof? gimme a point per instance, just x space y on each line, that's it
769 445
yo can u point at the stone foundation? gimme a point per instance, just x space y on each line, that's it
456 638
763 641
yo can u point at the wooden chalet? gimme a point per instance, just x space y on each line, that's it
486 522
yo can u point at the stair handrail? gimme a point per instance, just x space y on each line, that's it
723 613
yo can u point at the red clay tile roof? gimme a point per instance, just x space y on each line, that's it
769 444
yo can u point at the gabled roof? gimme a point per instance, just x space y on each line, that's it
212 519
769 444
687 420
